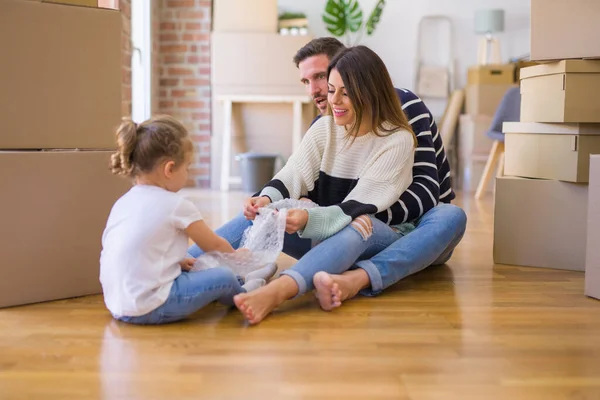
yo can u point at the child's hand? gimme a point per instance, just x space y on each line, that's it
242 250
187 264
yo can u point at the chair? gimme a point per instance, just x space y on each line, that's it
509 110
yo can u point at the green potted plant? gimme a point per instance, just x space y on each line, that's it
344 18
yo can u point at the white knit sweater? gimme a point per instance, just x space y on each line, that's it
346 178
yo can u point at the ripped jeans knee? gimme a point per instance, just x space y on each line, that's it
363 225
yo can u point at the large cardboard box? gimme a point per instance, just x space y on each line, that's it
550 151
61 72
484 99
472 138
271 65
592 259
540 223
53 209
565 91
563 29
491 74
245 16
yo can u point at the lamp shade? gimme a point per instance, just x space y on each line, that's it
489 21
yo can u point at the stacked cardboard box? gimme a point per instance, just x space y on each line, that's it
60 105
592 260
486 85
541 206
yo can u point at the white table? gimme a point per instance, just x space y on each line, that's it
228 100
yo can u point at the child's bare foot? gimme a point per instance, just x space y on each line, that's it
328 291
256 305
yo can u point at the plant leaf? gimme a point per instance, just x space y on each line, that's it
375 17
354 15
341 16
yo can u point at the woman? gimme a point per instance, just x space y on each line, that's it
354 163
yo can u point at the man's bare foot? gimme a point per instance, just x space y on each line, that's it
328 291
333 289
256 305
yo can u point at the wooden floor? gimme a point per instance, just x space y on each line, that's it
468 330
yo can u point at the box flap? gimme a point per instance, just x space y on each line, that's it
561 67
551 128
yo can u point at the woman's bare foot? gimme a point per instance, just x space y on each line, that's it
332 289
256 305
328 292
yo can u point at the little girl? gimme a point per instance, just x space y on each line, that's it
144 271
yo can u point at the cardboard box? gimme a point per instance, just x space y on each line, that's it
562 29
62 69
85 3
550 151
522 64
470 170
472 138
491 74
565 91
271 65
540 223
592 259
245 16
485 99
53 210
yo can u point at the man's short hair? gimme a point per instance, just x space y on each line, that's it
326 45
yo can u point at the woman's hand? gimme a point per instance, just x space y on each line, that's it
296 220
252 205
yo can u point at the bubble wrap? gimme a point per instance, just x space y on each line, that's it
263 239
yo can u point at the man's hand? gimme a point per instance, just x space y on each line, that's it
296 220
187 264
252 205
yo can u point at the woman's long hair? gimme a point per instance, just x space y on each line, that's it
371 91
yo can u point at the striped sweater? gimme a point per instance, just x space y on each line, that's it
431 182
346 178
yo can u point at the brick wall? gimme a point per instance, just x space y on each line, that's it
125 6
184 71
181 64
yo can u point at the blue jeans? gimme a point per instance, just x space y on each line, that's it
335 255
339 252
190 292
432 242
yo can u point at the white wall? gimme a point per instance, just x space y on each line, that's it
395 39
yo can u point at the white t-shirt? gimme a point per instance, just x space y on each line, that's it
142 245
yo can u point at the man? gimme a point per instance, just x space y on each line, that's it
433 226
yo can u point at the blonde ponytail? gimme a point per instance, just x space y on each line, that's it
121 163
141 147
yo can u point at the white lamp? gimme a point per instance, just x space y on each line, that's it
488 22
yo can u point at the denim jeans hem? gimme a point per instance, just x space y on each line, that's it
374 278
296 276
